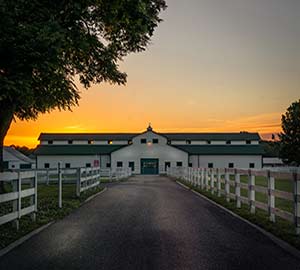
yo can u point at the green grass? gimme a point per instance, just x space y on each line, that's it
47 210
281 228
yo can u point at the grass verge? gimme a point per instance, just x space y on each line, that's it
47 210
281 228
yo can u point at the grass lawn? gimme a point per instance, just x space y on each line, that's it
282 228
47 210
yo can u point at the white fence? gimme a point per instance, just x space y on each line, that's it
219 181
87 178
119 174
17 194
84 178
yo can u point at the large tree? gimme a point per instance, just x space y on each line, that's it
45 45
290 137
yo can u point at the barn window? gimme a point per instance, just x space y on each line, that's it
155 141
230 165
70 142
119 164
179 163
251 165
169 142
208 142
210 165
228 142
143 141
109 141
248 142
88 165
188 141
90 142
68 165
50 142
108 165
131 165
46 165
25 166
167 165
190 164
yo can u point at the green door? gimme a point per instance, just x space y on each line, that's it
149 166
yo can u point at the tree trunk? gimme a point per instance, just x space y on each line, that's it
6 117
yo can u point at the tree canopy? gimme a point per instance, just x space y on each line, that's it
45 44
290 137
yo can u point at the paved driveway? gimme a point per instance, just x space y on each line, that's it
149 222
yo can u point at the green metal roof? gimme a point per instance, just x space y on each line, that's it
237 136
76 149
221 149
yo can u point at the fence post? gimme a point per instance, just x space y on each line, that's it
194 176
33 199
47 177
198 177
202 178
206 180
237 188
251 192
212 181
227 185
59 185
218 183
271 197
16 185
78 182
297 202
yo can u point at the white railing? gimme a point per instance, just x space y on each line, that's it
16 195
115 175
219 181
87 178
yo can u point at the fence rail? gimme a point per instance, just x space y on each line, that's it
87 178
84 178
227 182
15 197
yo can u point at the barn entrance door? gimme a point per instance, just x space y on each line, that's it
149 166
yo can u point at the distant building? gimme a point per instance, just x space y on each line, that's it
150 152
13 159
272 162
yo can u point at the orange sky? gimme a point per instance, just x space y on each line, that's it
212 66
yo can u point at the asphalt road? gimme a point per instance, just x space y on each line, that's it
149 223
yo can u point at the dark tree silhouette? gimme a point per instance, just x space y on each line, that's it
44 45
290 137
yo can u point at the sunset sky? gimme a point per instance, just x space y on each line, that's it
212 66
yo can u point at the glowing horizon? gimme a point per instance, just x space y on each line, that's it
212 66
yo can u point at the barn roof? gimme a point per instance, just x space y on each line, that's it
76 149
241 136
221 149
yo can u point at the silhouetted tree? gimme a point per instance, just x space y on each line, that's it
44 45
290 137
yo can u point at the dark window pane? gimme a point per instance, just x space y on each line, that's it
119 164
179 163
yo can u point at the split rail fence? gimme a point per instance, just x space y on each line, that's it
227 182
13 204
18 205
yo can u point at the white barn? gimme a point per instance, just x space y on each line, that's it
14 159
150 152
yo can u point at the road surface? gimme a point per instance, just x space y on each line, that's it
149 222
